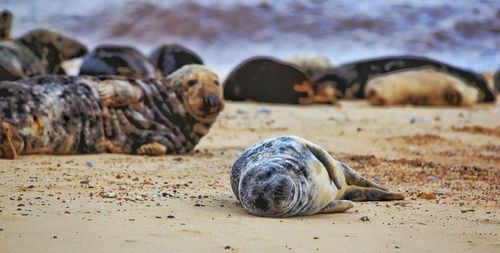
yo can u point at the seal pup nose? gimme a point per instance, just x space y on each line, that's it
212 100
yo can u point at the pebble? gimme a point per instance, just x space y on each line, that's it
364 218
432 178
264 110
85 181
90 164
170 216
109 194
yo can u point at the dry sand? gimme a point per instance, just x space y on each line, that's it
185 204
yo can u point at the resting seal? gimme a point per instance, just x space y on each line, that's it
312 64
5 24
118 60
496 81
349 80
85 114
37 52
170 57
266 79
420 87
287 176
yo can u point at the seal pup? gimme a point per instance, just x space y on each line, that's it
6 18
267 79
170 57
349 80
17 61
496 81
118 60
420 87
289 176
87 114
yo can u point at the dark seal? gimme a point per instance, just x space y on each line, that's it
266 79
170 57
118 60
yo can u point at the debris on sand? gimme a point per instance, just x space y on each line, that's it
427 195
90 164
364 218
109 194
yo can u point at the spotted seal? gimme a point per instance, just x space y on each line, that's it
6 18
118 60
420 87
288 176
87 114
37 52
267 79
170 57
349 80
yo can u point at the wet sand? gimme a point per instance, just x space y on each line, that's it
445 160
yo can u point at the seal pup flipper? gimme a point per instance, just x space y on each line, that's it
327 161
353 178
359 193
152 149
114 92
337 206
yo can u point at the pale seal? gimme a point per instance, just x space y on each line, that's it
420 87
288 176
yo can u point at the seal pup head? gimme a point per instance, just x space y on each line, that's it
201 91
52 47
5 24
269 190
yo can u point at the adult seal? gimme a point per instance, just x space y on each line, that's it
289 176
349 80
170 57
267 79
86 114
118 60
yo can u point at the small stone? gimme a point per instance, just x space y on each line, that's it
90 164
85 181
1 229
170 216
316 238
227 247
158 217
427 195
431 178
109 194
131 219
264 110
54 237
377 178
364 218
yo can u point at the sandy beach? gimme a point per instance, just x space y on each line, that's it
445 160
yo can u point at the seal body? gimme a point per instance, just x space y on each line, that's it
6 18
85 114
170 57
349 80
38 52
288 176
266 79
496 81
420 87
118 60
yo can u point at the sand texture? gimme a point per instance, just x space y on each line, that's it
445 160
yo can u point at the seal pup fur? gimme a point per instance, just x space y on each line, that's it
420 87
290 176
311 63
170 57
267 79
118 60
87 114
349 80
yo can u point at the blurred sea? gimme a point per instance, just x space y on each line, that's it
225 32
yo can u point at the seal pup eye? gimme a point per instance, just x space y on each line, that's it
216 82
192 82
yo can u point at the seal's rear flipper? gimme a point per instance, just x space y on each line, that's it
337 206
358 193
7 139
353 178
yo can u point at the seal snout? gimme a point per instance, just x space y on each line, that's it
211 103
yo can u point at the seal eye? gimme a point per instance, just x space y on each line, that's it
216 82
192 82
59 38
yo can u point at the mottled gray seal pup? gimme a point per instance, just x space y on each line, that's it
86 114
288 176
